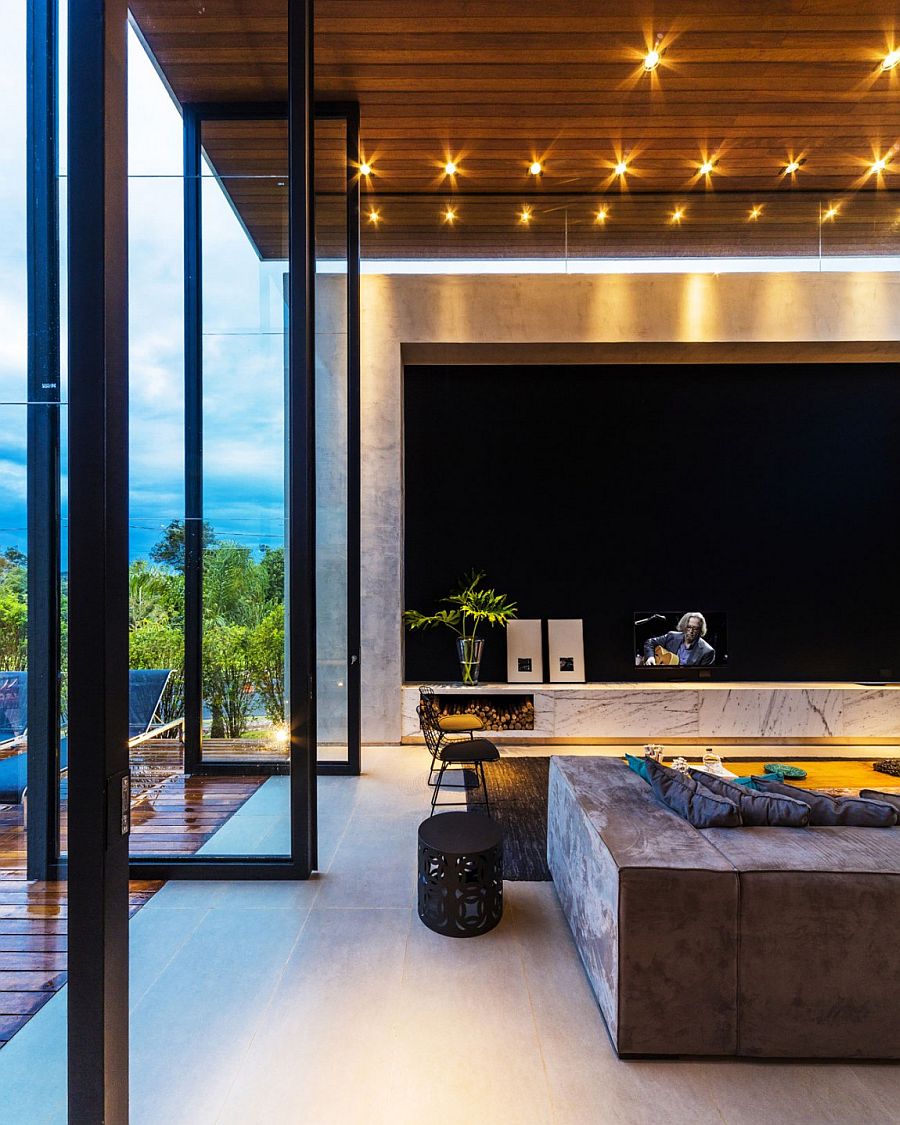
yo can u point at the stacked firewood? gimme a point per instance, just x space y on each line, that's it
496 714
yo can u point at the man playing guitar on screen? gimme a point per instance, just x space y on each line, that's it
684 645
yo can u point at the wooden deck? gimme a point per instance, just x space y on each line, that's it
182 814
176 818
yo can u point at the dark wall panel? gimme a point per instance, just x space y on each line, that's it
769 492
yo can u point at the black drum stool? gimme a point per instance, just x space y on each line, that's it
460 874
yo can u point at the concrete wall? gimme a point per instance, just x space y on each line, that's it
400 314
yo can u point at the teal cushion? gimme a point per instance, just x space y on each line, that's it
782 770
639 765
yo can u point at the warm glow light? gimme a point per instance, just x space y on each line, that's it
621 168
450 168
535 168
830 214
755 212
677 215
706 167
450 215
601 215
365 169
890 60
525 215
374 217
792 167
880 164
280 734
651 59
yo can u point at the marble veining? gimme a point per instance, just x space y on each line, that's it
872 713
773 713
639 714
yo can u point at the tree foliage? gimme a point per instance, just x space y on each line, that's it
243 625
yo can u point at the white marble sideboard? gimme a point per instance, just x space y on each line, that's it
754 712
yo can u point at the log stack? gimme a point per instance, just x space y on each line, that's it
501 712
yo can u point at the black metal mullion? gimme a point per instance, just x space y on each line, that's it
43 487
193 445
300 671
98 563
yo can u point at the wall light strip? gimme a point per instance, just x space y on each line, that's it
526 266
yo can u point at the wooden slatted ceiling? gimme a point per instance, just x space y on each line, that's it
497 83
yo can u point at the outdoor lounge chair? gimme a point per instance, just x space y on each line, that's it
145 692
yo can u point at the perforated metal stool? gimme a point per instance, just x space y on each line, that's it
460 874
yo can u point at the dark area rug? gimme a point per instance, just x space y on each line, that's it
517 789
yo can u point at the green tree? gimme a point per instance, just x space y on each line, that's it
169 551
13 611
158 643
13 631
227 678
267 662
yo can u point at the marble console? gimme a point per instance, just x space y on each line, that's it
821 713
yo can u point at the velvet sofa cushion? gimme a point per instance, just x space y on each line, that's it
828 811
639 765
758 810
691 800
892 799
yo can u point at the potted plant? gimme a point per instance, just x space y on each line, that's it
472 606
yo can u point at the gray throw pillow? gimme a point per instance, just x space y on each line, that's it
828 811
758 810
692 801
892 799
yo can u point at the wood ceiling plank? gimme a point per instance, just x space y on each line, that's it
494 85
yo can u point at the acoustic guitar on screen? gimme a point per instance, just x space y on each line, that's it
663 656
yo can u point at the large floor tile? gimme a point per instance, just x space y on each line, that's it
322 1051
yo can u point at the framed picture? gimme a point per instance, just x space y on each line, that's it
566 651
524 661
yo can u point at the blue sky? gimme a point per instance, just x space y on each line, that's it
243 342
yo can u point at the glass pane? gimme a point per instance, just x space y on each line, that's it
332 650
33 960
245 746
244 729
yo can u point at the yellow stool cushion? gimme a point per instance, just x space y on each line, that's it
457 723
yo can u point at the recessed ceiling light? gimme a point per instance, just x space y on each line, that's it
651 59
601 216
891 59
706 167
831 214
450 216
525 215
792 166
374 216
755 212
621 168
677 214
880 164
535 168
450 168
365 169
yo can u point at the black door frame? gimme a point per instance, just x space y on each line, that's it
99 797
194 114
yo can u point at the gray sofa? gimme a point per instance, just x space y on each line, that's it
765 942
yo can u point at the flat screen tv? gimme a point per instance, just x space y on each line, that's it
680 640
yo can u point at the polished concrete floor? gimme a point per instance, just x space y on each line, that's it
328 1002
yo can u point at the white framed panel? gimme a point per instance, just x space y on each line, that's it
565 639
524 658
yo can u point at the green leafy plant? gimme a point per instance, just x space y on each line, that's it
472 606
